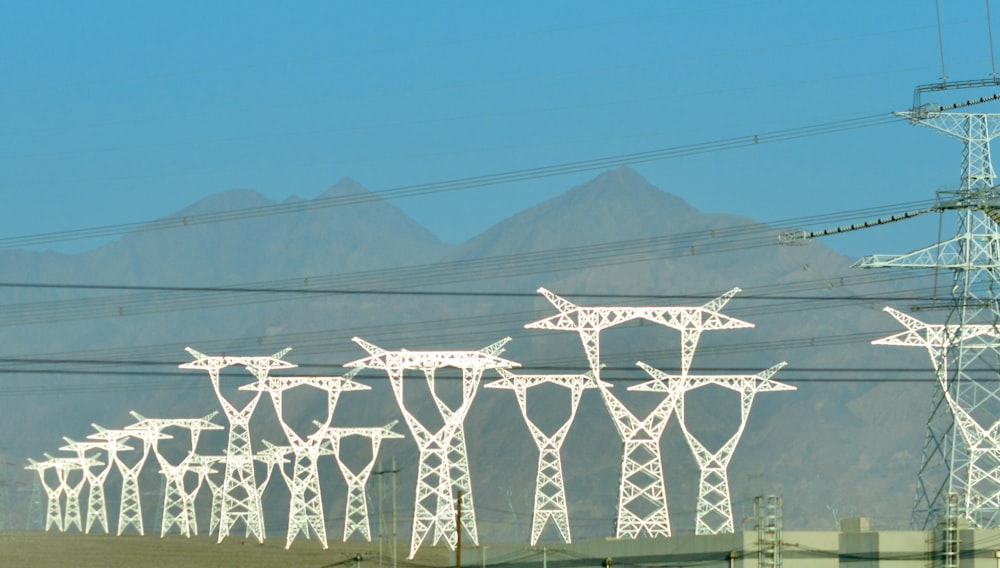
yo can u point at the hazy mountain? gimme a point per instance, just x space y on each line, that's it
828 448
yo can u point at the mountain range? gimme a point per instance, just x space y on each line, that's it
110 337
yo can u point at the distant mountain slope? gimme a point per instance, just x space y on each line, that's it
850 445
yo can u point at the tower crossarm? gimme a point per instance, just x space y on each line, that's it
273 457
963 252
590 321
974 130
936 338
333 386
195 426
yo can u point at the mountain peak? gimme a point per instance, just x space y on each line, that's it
345 186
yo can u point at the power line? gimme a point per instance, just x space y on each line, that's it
528 174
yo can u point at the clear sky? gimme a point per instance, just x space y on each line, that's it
114 112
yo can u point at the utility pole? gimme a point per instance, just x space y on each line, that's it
381 514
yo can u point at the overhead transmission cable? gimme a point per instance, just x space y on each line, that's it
175 222
400 280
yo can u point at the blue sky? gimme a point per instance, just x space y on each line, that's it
115 112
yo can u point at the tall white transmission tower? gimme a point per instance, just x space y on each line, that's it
305 511
982 476
973 258
356 510
97 510
130 507
178 500
715 507
240 496
642 497
443 471
550 487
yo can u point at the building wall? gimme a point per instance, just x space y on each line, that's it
799 549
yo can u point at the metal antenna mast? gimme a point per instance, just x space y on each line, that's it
973 258
550 490
305 510
240 496
444 462
642 497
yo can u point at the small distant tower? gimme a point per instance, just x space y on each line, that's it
5 520
356 514
97 510
444 462
305 511
53 508
130 508
550 489
240 496
715 507
642 498
178 502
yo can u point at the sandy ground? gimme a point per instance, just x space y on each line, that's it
45 549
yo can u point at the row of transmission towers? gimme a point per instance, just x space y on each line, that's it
444 502
236 498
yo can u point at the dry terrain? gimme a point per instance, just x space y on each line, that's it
47 549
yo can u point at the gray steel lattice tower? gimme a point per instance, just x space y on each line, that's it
973 258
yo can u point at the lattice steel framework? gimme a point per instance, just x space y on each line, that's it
982 500
178 500
444 462
205 467
356 510
97 510
53 494
550 489
305 510
64 467
642 497
715 508
973 257
130 507
240 496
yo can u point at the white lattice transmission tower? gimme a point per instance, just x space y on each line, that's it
130 506
356 510
305 511
715 508
550 487
240 498
178 500
642 497
973 258
97 509
443 470
982 473
53 493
